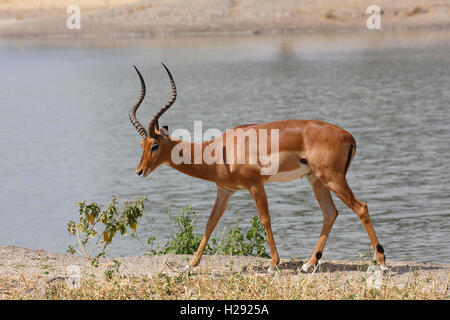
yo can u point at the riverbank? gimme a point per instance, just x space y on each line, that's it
37 274
131 18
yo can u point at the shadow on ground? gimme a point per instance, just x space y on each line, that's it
294 266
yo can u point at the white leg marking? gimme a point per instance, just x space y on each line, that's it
271 270
187 268
384 268
305 267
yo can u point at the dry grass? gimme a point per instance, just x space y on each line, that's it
37 274
243 285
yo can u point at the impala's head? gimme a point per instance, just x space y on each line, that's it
156 142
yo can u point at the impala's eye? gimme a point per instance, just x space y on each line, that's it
154 148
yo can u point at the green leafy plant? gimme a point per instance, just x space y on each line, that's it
102 225
112 270
184 241
249 243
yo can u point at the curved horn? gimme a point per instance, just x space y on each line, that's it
132 113
151 125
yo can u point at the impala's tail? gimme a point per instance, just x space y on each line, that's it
351 153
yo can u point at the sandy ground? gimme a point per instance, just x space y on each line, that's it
125 18
21 264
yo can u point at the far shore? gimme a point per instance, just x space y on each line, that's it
150 18
24 273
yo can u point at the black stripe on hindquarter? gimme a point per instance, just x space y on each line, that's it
349 157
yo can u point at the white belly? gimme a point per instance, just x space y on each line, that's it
287 176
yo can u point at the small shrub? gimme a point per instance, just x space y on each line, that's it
184 241
110 221
250 243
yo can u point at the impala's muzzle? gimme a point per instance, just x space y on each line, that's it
139 172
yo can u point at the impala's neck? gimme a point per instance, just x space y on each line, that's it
187 157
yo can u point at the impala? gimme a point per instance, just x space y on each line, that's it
318 150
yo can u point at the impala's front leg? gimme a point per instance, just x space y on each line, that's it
223 196
259 196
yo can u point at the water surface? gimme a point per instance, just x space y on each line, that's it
65 134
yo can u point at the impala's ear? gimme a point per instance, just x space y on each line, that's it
156 125
165 131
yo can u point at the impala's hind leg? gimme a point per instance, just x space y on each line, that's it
338 184
330 214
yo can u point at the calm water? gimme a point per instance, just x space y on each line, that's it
65 134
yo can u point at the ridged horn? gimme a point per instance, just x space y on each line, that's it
154 121
132 113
